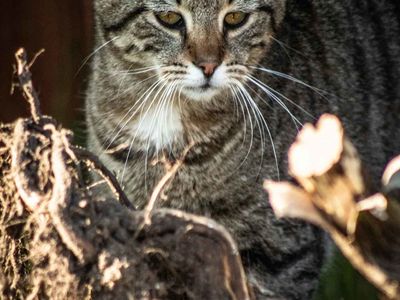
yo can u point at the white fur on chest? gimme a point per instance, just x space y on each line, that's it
159 128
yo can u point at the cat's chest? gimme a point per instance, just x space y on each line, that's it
198 189
159 127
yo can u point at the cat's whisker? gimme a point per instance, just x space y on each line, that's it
180 100
234 102
133 114
170 107
142 117
236 99
132 87
264 88
172 101
153 123
264 122
272 96
130 71
128 90
285 98
141 102
319 91
125 75
283 46
242 98
142 70
132 141
144 94
136 83
260 127
246 97
89 57
258 94
159 110
249 98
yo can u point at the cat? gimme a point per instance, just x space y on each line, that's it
238 78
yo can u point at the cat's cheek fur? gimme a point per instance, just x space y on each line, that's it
194 77
220 78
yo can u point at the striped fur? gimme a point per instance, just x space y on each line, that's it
349 50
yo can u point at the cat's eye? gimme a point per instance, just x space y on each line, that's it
170 19
235 19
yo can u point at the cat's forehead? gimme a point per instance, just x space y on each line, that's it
210 5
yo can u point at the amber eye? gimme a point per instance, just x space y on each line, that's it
170 19
235 19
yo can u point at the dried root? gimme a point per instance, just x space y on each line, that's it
58 241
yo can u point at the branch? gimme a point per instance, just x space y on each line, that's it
333 194
94 163
25 82
172 170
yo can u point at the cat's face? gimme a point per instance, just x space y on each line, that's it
201 46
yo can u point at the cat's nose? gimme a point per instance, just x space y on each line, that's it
208 68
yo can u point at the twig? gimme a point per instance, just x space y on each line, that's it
25 82
172 170
94 163
40 52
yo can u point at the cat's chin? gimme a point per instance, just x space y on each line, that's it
200 93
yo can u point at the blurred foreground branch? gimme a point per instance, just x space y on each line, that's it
334 194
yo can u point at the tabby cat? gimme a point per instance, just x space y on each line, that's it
238 78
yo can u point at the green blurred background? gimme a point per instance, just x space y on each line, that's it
64 29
